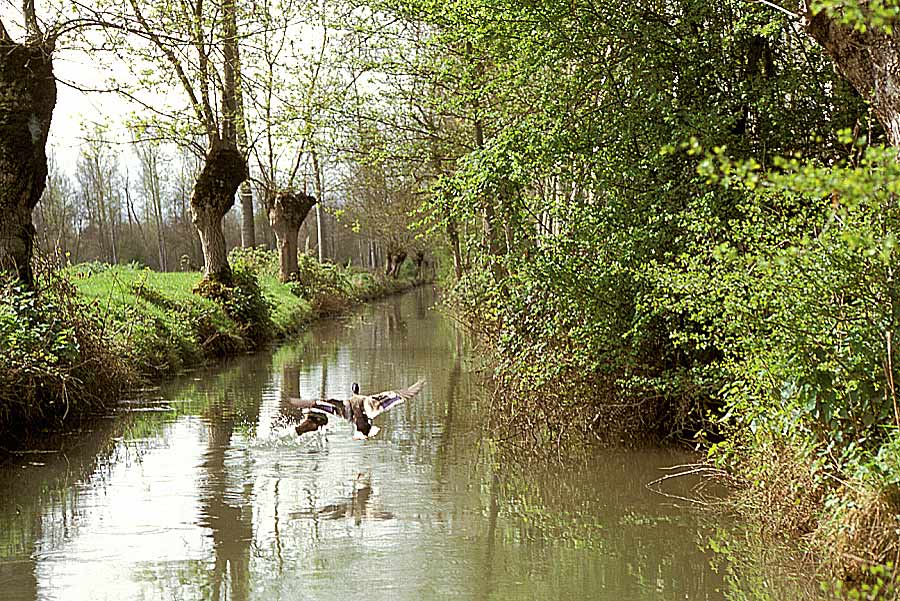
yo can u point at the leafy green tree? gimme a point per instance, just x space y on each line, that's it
569 109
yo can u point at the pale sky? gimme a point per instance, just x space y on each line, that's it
75 108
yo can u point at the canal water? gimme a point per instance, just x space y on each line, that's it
201 490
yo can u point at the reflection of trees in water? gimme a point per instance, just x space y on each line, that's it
226 512
396 325
287 414
451 392
486 581
39 497
423 298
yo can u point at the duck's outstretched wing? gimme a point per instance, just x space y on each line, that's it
330 406
377 404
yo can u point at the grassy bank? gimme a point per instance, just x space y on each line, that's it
91 330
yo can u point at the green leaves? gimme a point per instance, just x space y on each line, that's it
861 15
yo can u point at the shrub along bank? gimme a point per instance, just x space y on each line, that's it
769 341
695 237
89 331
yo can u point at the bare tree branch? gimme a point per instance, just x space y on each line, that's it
229 85
792 15
203 67
179 71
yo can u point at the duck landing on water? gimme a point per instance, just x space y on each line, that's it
359 409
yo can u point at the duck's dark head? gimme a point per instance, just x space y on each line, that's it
355 388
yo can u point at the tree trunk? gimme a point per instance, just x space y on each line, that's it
419 260
286 214
160 235
113 232
453 234
27 99
870 61
248 221
248 224
320 185
489 218
401 256
394 261
213 196
152 188
286 240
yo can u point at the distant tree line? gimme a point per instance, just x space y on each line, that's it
130 202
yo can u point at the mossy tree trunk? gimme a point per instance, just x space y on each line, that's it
287 211
213 196
27 100
225 166
869 60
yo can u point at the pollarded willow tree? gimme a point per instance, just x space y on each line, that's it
287 211
27 100
381 201
213 35
295 101
191 47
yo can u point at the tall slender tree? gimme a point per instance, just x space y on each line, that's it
151 184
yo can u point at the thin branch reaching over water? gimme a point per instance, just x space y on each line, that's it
690 469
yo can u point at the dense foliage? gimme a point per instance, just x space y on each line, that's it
669 220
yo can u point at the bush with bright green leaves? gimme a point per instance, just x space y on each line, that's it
315 278
799 304
261 260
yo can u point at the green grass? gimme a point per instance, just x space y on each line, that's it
289 312
156 319
163 326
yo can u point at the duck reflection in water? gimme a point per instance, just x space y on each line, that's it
358 506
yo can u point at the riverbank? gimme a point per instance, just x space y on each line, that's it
94 329
833 495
